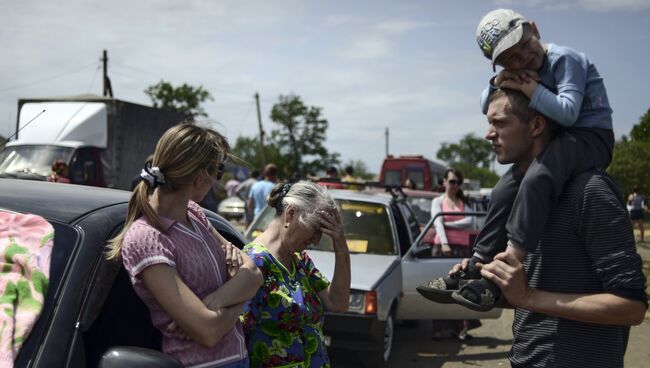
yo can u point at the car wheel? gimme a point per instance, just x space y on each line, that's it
379 358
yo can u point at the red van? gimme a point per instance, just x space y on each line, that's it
420 170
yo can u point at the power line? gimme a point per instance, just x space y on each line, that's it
130 77
92 83
48 78
248 112
135 69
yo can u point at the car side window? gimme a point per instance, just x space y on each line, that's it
411 220
460 238
84 167
402 229
113 314
66 239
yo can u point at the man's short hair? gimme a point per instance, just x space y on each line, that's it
519 103
270 171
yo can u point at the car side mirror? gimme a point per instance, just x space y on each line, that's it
130 356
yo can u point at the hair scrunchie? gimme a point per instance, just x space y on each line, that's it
152 175
285 190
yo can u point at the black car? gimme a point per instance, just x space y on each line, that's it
91 315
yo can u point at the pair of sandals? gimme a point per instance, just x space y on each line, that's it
466 288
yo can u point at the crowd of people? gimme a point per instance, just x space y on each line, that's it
557 245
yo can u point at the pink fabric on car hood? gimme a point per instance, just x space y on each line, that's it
25 247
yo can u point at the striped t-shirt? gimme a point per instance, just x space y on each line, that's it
587 247
199 260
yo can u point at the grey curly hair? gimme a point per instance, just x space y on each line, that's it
305 196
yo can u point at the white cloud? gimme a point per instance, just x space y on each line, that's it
609 5
342 20
399 26
366 47
589 5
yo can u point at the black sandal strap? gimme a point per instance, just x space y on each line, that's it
476 295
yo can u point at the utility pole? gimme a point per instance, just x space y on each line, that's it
386 141
259 123
107 90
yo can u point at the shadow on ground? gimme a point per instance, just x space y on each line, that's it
415 348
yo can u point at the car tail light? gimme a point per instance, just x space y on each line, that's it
371 302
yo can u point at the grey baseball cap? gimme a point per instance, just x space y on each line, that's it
498 31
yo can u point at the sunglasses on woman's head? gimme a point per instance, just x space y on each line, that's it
453 182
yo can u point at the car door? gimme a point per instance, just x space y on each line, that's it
418 267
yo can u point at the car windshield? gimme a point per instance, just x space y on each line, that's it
367 228
32 159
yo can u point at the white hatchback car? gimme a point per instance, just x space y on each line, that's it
389 259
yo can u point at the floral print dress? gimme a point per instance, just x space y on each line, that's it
284 320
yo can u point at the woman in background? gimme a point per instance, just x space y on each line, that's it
452 240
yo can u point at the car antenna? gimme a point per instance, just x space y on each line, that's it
34 118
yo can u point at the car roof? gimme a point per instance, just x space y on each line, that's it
417 193
55 201
362 195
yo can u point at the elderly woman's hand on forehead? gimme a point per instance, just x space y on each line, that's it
330 224
234 258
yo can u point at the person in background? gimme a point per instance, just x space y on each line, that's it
191 279
452 240
410 184
242 191
261 189
284 321
349 175
353 182
231 187
332 179
332 172
60 172
636 204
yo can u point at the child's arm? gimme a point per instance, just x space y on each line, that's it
518 76
486 95
570 75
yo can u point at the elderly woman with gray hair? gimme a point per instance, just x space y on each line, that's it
283 322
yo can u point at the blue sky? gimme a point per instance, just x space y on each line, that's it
411 66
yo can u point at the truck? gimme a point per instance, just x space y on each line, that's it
104 141
418 169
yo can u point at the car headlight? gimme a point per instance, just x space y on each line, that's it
356 301
363 302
